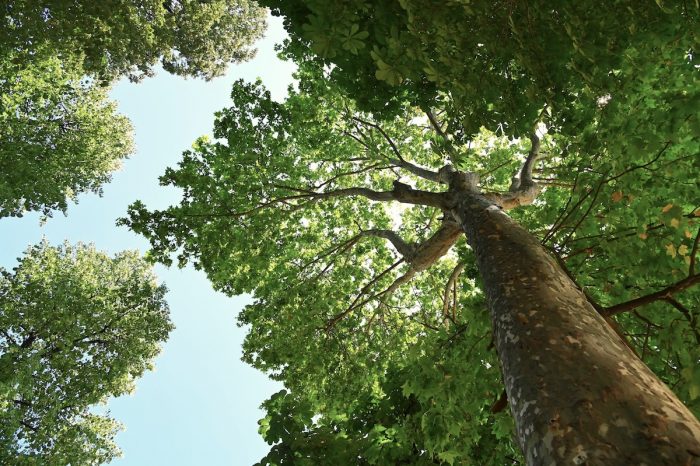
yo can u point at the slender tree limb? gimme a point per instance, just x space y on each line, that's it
402 247
438 129
400 161
29 426
357 139
376 166
500 165
335 319
643 166
8 337
420 258
402 193
693 254
565 213
652 297
561 221
692 321
596 192
645 320
451 286
383 133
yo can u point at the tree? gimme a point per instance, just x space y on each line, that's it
76 327
295 201
61 136
126 37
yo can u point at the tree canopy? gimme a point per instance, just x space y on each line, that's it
127 37
61 136
288 202
76 327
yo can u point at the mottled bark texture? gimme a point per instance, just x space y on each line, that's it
579 396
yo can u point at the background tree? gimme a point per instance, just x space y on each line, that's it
127 37
61 136
76 327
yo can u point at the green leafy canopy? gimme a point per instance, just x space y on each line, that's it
76 327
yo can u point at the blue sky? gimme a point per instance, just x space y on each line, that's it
201 404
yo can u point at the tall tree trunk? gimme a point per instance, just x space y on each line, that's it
577 392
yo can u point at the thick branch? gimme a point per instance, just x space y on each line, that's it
420 259
523 190
402 193
403 248
511 200
432 249
418 171
652 297
526 170
500 403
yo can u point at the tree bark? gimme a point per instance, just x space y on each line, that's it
578 394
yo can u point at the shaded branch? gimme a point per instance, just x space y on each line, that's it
418 171
383 133
693 253
405 249
643 166
652 297
604 180
335 319
399 161
376 166
523 190
29 426
524 180
692 322
500 403
402 193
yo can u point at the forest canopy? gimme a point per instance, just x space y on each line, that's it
470 230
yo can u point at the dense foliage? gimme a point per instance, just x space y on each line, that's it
61 136
76 327
286 203
127 37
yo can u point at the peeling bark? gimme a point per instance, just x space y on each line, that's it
577 393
